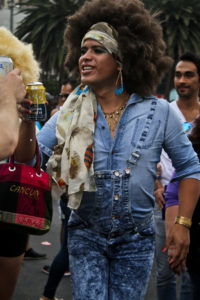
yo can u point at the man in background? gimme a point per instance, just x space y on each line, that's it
66 89
187 107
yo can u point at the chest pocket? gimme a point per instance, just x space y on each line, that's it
150 135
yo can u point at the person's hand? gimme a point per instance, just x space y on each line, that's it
24 110
170 214
158 170
179 268
158 194
159 188
177 244
12 84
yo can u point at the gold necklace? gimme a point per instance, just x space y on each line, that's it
116 113
112 118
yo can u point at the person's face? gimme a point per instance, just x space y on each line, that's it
186 79
97 67
66 89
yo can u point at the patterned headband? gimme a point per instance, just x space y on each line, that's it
106 35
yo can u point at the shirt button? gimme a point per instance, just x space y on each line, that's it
103 127
136 155
116 173
127 171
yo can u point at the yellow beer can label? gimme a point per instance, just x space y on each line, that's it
36 93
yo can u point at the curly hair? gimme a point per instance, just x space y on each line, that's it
21 54
140 41
194 135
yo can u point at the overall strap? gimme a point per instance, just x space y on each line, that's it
135 155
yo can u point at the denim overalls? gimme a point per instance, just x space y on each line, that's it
114 256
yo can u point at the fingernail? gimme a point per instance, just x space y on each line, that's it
164 249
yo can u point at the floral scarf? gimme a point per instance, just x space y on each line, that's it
71 165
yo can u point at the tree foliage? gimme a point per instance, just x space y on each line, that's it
46 20
180 22
181 27
44 26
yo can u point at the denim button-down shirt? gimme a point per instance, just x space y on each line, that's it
146 126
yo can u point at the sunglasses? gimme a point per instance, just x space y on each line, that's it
63 95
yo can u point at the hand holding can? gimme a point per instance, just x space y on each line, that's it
13 87
36 93
6 65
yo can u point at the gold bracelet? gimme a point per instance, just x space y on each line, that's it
187 222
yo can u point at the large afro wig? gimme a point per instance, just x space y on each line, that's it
140 41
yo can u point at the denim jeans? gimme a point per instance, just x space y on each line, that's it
61 262
166 279
110 268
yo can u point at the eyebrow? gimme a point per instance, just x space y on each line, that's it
185 73
95 46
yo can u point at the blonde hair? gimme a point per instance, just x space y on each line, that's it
21 54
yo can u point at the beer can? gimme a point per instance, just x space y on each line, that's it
6 65
36 93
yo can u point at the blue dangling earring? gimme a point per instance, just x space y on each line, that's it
121 89
80 90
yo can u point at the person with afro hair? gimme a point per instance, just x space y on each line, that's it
103 147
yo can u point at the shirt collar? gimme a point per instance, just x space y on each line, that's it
135 98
